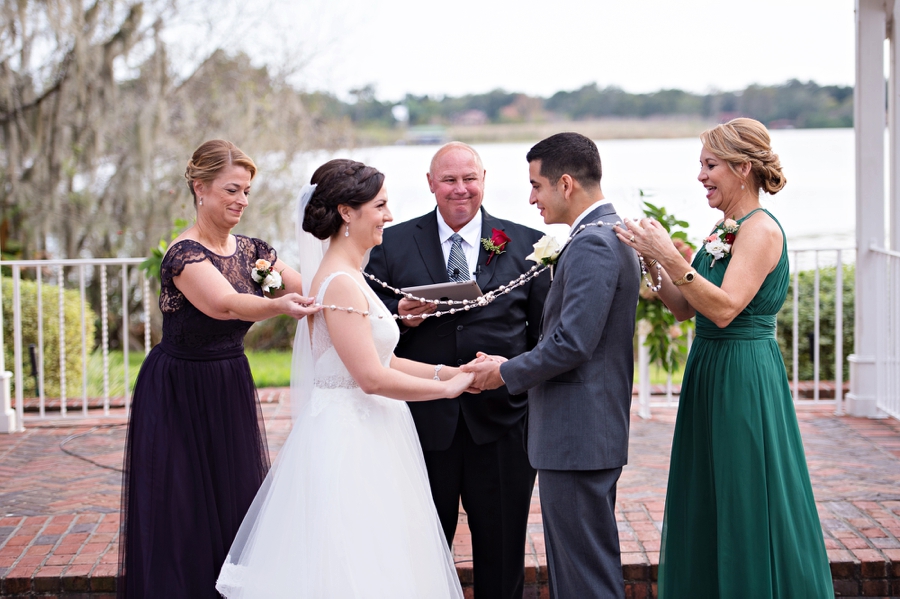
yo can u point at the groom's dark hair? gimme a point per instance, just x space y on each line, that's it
570 154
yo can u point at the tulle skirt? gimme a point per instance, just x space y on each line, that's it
740 517
195 457
345 512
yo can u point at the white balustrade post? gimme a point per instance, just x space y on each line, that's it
125 337
795 329
816 330
839 336
84 357
17 347
61 281
104 337
40 345
7 416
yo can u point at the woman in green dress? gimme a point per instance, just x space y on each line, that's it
740 517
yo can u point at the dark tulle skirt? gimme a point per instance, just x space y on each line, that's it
195 457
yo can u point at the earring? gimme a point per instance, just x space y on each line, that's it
201 201
347 231
742 186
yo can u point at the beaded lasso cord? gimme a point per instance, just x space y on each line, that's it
487 298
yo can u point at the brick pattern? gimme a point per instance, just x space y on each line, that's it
59 513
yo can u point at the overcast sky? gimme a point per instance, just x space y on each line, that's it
474 46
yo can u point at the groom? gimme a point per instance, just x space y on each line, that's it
579 376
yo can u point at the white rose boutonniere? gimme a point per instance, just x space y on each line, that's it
264 273
546 252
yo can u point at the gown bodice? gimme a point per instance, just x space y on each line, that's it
757 320
186 327
331 373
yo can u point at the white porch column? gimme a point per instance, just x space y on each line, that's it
869 121
893 11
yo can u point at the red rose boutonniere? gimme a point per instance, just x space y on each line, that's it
496 244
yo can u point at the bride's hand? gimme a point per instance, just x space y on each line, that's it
460 383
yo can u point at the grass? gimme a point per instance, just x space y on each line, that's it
269 368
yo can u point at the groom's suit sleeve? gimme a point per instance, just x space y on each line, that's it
588 281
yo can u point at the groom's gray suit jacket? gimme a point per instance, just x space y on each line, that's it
579 376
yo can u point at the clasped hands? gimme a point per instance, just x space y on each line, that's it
486 369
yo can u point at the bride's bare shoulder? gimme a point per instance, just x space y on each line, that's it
343 289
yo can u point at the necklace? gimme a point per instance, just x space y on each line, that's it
645 274
466 305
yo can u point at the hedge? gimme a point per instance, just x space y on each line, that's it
50 308
806 312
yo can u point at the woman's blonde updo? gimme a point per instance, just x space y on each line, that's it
211 158
745 140
339 181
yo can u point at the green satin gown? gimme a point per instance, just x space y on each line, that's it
740 517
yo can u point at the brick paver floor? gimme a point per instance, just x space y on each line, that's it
60 485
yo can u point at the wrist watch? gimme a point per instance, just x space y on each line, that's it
688 277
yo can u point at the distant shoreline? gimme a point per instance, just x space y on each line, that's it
613 128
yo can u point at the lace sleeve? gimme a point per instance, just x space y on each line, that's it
180 255
264 250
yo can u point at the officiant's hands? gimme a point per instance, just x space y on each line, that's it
408 306
486 369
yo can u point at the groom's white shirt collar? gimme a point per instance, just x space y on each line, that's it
581 216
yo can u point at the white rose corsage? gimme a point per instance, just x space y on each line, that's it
718 245
264 273
546 251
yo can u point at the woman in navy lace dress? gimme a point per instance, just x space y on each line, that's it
196 454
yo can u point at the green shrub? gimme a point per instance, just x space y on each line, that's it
806 312
272 334
50 308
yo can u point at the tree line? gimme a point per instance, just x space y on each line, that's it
98 118
791 104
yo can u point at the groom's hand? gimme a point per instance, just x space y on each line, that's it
487 371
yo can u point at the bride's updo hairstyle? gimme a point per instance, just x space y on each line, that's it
746 140
211 158
339 181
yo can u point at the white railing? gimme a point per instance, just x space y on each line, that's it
87 272
813 259
887 362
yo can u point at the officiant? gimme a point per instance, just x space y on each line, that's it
473 445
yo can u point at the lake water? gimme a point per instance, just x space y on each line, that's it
816 207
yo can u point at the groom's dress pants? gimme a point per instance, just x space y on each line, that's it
579 514
495 482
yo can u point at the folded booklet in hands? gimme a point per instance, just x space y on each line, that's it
454 290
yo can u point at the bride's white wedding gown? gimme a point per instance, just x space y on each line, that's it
346 511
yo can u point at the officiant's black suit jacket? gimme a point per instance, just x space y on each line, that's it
411 255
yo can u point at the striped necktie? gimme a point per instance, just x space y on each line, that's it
457 267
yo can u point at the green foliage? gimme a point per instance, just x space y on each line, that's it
72 331
152 264
666 337
806 311
272 334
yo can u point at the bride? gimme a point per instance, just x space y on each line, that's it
346 511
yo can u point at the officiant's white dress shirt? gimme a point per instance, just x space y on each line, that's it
471 235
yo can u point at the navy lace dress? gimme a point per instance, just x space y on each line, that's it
196 453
